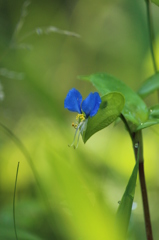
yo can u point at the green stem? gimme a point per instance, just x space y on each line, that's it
16 178
151 34
145 201
136 138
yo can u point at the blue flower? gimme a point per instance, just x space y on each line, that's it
86 108
73 102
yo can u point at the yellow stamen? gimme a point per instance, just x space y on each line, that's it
80 117
74 125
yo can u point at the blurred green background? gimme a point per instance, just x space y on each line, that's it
40 58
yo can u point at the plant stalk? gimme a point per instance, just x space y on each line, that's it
16 178
137 139
151 34
145 201
151 37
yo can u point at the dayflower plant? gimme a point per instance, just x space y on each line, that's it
85 109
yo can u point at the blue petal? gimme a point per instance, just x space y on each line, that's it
91 104
73 101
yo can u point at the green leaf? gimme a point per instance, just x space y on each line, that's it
154 112
148 123
153 118
135 110
125 207
110 108
156 2
149 86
